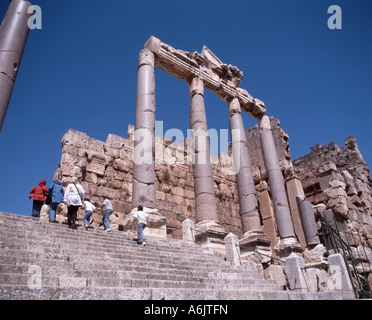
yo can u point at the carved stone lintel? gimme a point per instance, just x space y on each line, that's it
222 79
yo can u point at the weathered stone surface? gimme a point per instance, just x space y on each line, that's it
104 173
175 185
232 249
144 191
205 203
308 221
295 271
13 37
222 79
281 206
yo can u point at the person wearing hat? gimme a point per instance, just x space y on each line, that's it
38 195
108 211
89 208
56 192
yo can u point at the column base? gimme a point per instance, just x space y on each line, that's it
211 236
286 246
255 247
315 255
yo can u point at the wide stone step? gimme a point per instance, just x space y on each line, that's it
81 264
121 259
94 293
122 253
109 244
49 267
17 221
36 258
128 281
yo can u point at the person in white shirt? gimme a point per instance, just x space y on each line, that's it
108 211
74 195
89 208
143 221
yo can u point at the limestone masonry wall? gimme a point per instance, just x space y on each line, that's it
330 177
106 167
338 179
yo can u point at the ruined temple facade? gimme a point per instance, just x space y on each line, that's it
330 177
276 207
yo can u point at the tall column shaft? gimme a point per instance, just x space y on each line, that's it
13 37
205 202
246 190
276 181
144 191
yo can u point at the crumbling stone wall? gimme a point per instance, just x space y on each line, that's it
338 178
106 167
330 177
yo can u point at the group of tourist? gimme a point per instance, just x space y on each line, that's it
74 197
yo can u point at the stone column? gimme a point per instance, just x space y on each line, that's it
205 202
308 221
144 191
253 238
246 189
13 37
277 188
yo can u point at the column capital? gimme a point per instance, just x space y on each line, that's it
146 57
264 122
234 106
196 86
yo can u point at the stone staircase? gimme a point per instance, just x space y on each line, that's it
40 260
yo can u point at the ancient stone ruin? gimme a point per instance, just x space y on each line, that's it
273 205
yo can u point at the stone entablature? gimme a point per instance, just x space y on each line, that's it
218 77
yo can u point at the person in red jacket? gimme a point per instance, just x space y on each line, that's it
38 194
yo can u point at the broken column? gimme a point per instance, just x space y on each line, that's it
254 238
308 221
288 241
144 192
205 201
13 37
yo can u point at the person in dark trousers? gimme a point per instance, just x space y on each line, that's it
38 194
143 221
57 193
74 195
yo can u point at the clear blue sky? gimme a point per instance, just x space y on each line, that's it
79 72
